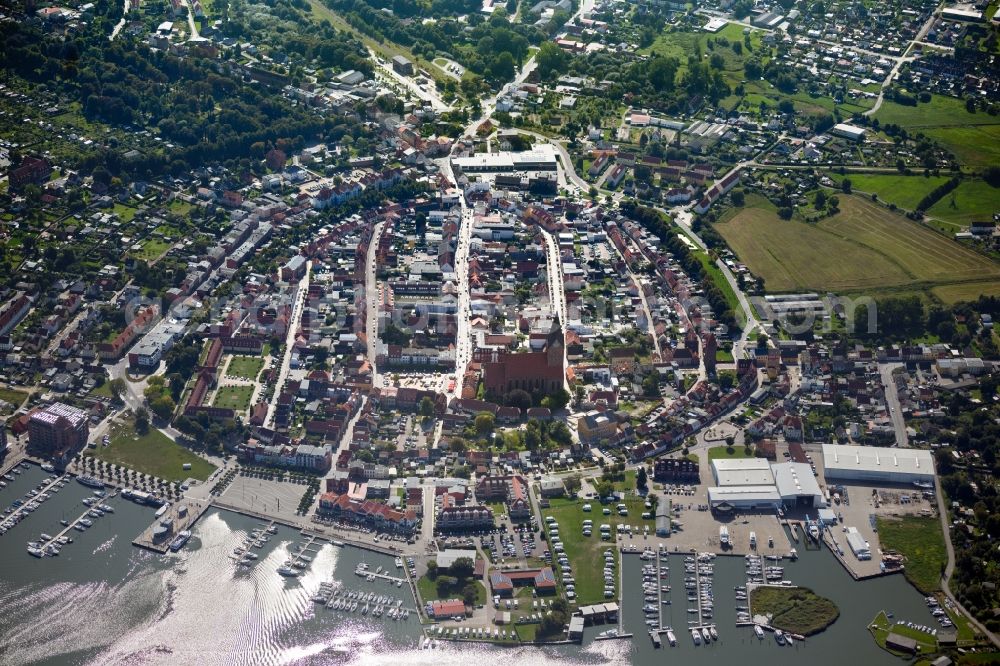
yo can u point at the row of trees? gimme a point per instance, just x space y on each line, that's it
658 224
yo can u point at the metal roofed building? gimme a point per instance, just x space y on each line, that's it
540 158
852 132
877 464
742 472
745 497
797 486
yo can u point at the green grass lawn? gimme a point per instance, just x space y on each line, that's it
971 201
233 397
973 137
125 213
153 453
904 191
586 554
724 452
152 249
628 484
881 627
429 592
13 396
973 145
180 207
795 609
920 540
941 110
104 391
247 367
723 356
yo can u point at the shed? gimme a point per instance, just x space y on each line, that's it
900 643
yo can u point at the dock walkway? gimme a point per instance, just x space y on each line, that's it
72 523
365 572
21 512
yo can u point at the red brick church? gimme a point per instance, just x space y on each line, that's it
535 372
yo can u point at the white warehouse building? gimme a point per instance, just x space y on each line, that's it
750 484
742 472
877 464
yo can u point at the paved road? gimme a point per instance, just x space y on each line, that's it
950 568
892 402
918 39
195 37
371 302
293 329
557 291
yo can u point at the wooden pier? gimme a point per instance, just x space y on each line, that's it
659 593
367 573
299 560
72 523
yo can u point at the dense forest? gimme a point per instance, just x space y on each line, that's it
491 47
205 112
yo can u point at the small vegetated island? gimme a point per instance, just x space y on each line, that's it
795 609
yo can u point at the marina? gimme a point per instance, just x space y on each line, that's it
50 545
365 572
292 608
333 596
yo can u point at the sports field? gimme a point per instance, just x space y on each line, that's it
865 247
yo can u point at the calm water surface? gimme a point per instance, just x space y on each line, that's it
103 601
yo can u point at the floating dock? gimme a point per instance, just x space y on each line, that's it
65 530
363 571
